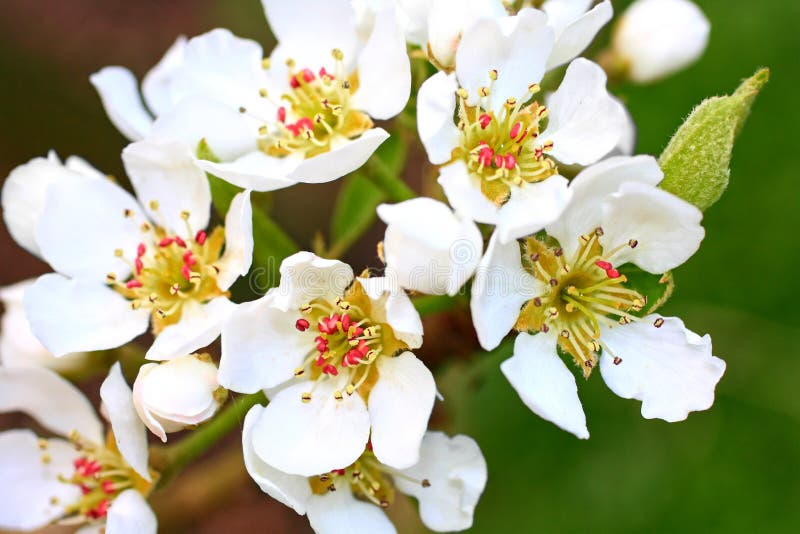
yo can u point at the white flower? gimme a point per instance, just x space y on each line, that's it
18 346
447 481
438 25
576 296
81 479
656 38
177 394
118 262
498 166
339 347
303 115
427 247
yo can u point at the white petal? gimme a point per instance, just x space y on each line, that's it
436 106
338 512
129 432
83 223
223 67
180 391
344 159
119 93
630 135
228 132
400 405
82 167
24 196
199 326
586 123
667 228
519 56
164 171
153 423
74 316
456 471
51 400
463 192
447 21
291 490
384 70
238 255
306 276
255 170
261 347
414 19
435 263
130 514
500 288
312 438
660 37
562 13
29 484
670 369
157 83
532 207
544 383
391 305
18 346
310 29
591 187
574 36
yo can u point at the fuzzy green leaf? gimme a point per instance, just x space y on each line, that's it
696 163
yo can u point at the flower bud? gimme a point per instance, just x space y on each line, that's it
655 38
178 393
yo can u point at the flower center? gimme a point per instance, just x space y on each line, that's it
346 343
502 148
169 271
368 479
583 294
101 474
317 112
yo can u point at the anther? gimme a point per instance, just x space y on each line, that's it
553 282
537 301
598 231
111 278
302 325
127 213
633 243
484 92
493 75
265 63
153 205
337 395
306 397
426 483
658 322
337 54
263 93
565 334
242 109
617 360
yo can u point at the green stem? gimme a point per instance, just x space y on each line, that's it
382 176
170 461
430 304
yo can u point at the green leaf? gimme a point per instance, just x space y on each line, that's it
385 169
696 163
355 207
271 243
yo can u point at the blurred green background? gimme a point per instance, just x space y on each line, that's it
735 468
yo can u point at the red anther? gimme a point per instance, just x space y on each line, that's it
180 242
339 472
293 82
308 76
323 73
327 325
200 237
108 486
523 136
85 490
485 156
133 284
89 468
282 114
515 130
613 273
294 128
189 258
351 358
186 272
357 331
167 241
320 361
604 265
346 322
139 265
140 250
322 346
99 511
305 123
362 347
499 161
79 462
330 370
483 143
484 120
302 325
510 161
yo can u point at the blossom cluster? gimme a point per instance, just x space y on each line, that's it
548 221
